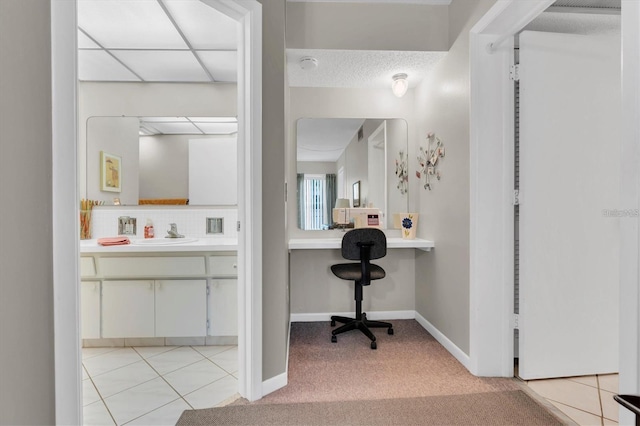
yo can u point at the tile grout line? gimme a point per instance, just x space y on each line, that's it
600 401
101 399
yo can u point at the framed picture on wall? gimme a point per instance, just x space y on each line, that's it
356 194
110 172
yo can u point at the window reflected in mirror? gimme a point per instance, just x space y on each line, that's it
351 162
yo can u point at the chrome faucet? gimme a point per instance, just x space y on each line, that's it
173 232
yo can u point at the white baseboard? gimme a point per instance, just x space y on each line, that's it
373 315
274 383
444 341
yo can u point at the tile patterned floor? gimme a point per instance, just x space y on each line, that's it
587 400
154 385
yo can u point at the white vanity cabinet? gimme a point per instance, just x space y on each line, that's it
143 295
128 309
181 308
223 307
90 305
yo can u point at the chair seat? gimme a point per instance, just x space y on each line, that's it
353 271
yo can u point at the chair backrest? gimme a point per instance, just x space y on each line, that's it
350 240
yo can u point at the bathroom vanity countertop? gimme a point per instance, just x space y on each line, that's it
200 244
335 243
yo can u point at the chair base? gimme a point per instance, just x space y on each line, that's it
361 324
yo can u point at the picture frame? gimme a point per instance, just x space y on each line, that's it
356 194
110 172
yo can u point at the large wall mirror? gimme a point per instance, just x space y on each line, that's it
359 160
162 160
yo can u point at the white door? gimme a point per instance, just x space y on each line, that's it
570 103
181 308
128 309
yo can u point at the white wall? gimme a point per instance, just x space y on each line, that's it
161 153
26 193
115 136
442 106
316 167
355 26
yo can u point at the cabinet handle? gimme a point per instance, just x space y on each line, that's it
235 266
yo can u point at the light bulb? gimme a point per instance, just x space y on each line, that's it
399 85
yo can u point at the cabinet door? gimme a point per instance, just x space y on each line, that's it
181 308
90 309
223 308
127 309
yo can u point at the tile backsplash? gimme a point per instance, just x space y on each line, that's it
191 221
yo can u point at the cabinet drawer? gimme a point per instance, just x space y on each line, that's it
87 267
152 266
223 266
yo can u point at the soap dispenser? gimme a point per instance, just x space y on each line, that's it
148 229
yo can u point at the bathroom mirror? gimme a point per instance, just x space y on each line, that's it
165 160
337 156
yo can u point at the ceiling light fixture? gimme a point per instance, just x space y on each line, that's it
308 63
400 84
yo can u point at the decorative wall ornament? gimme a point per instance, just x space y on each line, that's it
428 160
402 171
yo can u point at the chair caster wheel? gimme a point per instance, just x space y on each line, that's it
333 323
334 339
374 345
390 331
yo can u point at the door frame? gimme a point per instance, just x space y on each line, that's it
65 222
491 192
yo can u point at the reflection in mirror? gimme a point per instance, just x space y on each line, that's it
166 160
337 156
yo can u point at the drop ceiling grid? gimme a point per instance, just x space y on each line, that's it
127 37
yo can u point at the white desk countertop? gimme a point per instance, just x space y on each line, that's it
200 244
335 243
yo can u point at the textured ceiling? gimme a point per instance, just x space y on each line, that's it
576 23
359 68
599 4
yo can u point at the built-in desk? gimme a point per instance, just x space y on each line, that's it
335 243
316 294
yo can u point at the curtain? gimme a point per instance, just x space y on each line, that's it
301 201
331 194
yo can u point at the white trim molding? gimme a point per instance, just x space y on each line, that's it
372 315
457 353
274 383
629 364
249 15
66 227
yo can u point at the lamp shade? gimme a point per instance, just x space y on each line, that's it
399 85
342 203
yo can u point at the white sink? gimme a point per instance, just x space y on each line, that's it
163 241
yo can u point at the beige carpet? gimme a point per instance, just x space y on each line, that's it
409 379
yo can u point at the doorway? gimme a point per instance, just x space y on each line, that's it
66 249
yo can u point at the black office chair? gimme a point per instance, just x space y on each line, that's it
363 244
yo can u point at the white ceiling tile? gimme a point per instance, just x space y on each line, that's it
163 119
204 27
223 66
128 24
214 119
218 128
176 128
163 65
98 65
85 42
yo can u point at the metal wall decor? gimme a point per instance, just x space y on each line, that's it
402 171
428 160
